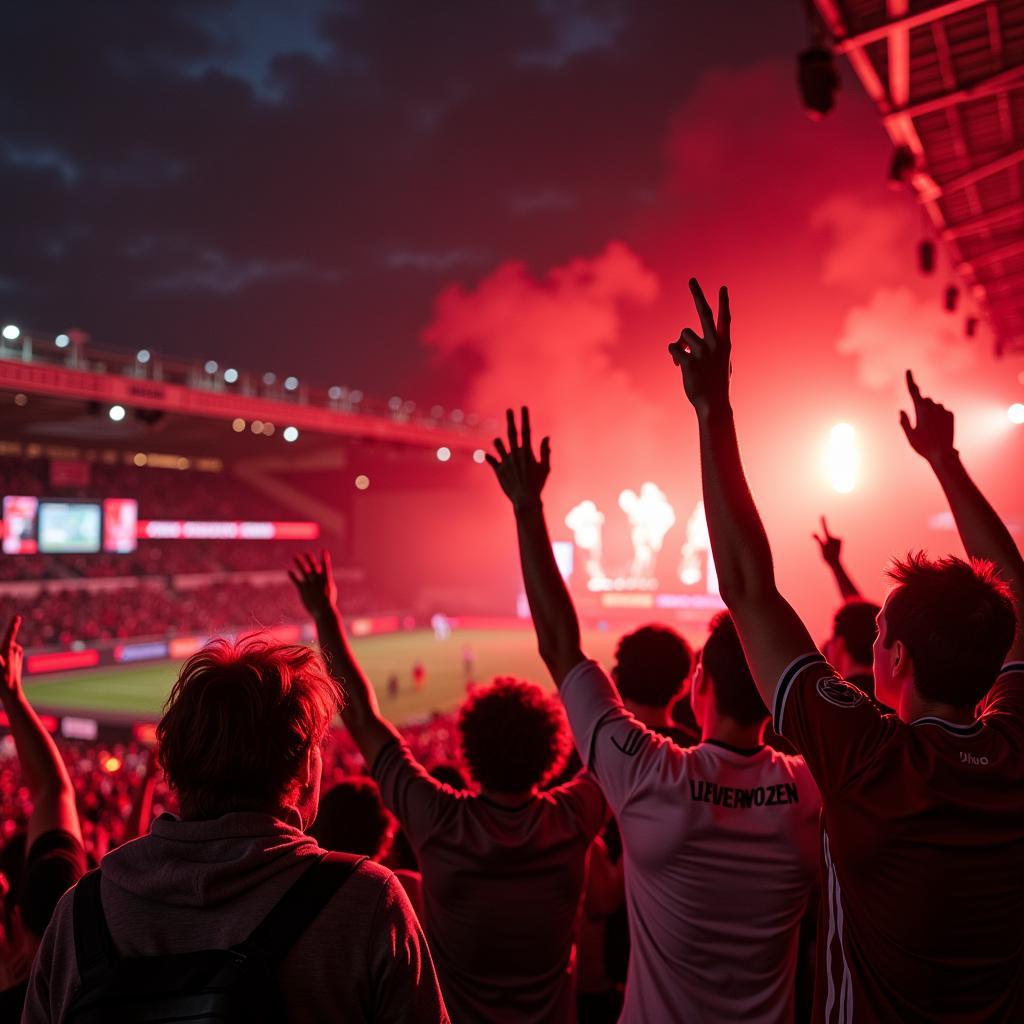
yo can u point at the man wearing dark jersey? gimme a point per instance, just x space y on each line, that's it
923 810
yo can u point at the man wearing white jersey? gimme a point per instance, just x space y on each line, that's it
719 839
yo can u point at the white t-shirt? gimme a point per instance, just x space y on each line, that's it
721 856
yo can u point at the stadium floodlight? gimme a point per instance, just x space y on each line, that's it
230 375
290 434
116 413
211 366
270 379
819 81
842 458
268 429
394 403
355 396
12 332
444 454
62 341
334 393
457 416
257 426
142 355
238 424
1016 413
479 455
362 482
291 383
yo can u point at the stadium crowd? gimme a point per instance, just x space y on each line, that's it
263 896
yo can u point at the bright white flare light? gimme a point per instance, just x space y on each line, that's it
116 413
443 454
12 332
230 375
290 434
841 459
479 455
62 341
1016 413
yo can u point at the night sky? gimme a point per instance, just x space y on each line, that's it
475 203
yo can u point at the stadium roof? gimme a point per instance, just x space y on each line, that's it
948 80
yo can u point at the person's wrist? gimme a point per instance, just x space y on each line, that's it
710 410
524 506
944 460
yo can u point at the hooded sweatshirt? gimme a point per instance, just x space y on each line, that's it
192 885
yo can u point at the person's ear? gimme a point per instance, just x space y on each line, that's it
902 666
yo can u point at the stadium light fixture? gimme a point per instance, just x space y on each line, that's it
143 355
1016 413
116 413
457 416
334 393
21 400
394 403
362 482
819 81
238 424
257 426
842 458
479 455
268 429
12 332
269 379
290 434
230 375
62 341
211 366
291 383
444 453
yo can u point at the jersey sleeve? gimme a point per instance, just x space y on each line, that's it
835 726
586 800
406 988
410 792
621 752
1005 701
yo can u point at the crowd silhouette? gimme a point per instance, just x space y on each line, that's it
761 831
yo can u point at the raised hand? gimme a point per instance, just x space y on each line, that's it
521 474
831 547
704 361
315 584
932 436
12 658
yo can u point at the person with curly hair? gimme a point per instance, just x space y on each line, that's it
503 865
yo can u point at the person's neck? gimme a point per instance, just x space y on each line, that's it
913 706
651 715
509 799
733 734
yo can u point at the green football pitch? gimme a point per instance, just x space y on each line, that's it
142 689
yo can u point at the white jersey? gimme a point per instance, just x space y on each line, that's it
720 855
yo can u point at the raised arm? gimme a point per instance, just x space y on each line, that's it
522 477
831 551
140 817
772 634
361 714
44 771
983 533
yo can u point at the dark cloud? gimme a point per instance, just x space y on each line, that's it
216 176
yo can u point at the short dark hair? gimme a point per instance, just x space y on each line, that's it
732 685
651 665
352 819
856 624
513 736
240 719
956 619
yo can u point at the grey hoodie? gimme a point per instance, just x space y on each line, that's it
193 885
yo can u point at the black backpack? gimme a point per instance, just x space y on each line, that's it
205 986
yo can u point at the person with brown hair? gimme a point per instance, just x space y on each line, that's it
240 745
503 868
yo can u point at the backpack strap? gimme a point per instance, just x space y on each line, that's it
297 909
94 947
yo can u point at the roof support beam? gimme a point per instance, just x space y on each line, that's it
984 222
1002 253
1010 79
904 24
976 174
